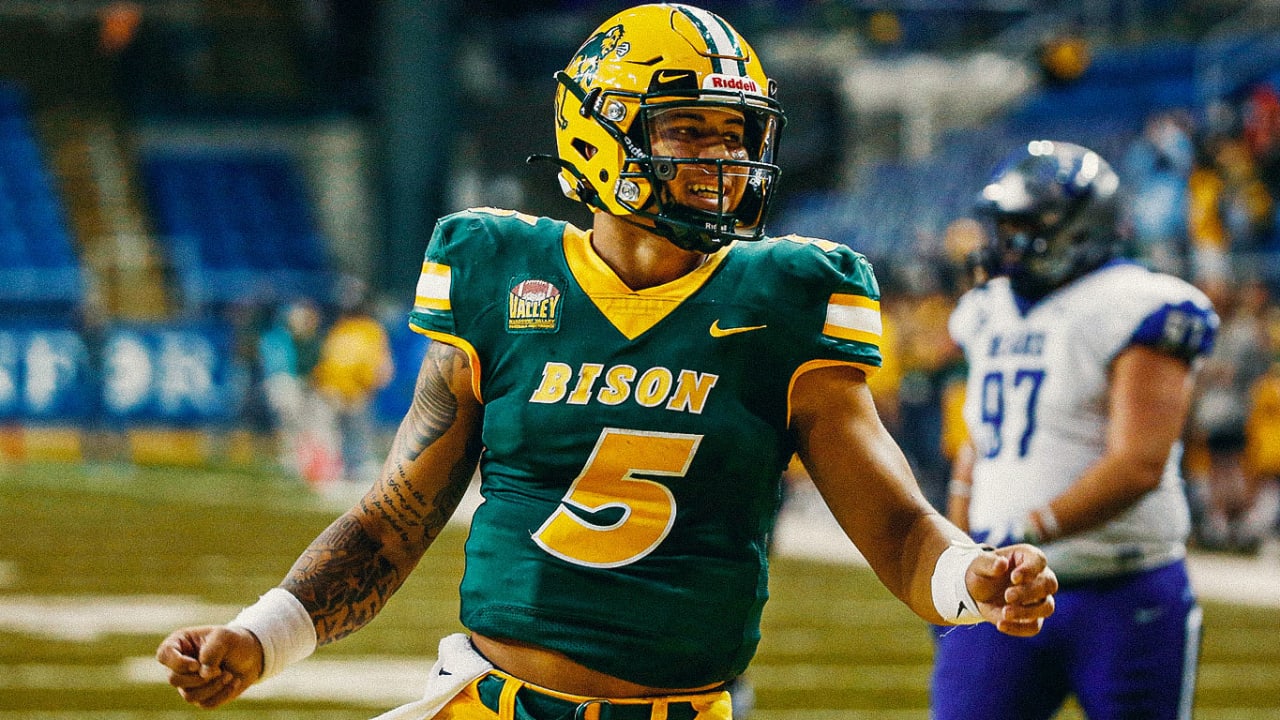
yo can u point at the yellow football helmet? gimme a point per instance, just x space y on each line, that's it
637 64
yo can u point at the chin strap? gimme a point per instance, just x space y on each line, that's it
693 242
585 191
587 194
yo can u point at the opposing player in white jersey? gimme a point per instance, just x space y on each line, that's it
1080 375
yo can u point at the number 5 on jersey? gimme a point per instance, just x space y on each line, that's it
608 483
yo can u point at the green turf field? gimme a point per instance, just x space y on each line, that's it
97 564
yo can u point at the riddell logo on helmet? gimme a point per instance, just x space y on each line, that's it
731 82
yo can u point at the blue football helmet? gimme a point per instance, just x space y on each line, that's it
1055 207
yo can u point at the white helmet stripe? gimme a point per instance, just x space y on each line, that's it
722 42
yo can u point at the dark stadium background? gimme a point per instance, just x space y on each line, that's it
172 172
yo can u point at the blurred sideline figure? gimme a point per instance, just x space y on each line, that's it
1219 412
355 363
1262 441
288 351
1080 382
632 395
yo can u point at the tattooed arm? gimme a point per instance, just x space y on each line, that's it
346 575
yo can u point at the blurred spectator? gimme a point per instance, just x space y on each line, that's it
968 251
926 357
1260 118
1262 443
244 322
1230 213
1156 167
1210 242
1239 358
1247 206
287 352
355 363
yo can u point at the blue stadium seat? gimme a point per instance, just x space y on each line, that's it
895 203
40 273
238 226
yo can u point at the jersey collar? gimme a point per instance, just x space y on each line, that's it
632 312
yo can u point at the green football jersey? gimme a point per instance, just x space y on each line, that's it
633 440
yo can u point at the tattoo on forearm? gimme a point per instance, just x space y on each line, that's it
342 579
434 408
347 575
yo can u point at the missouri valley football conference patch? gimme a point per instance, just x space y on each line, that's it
533 306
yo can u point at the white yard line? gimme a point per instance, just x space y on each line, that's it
374 681
807 530
86 618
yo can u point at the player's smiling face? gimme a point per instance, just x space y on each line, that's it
702 133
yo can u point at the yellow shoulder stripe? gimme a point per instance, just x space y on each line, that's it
433 289
853 317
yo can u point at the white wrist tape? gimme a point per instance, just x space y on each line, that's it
951 596
282 625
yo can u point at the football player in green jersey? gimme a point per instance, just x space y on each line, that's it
631 395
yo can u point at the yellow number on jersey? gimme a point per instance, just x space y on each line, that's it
608 481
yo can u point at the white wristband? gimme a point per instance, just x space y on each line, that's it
951 596
282 625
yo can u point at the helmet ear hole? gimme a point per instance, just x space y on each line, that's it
584 148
